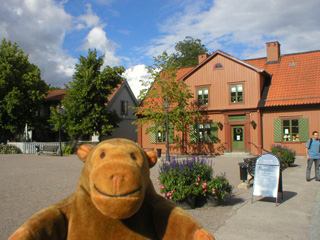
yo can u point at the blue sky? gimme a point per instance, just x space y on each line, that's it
130 32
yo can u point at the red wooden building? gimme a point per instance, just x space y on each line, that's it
251 104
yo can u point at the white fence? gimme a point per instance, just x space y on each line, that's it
30 147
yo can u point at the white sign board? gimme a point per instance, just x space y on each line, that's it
266 176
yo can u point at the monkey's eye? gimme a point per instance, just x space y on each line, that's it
133 156
102 155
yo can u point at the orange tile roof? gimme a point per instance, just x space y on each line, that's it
183 71
61 93
56 95
295 79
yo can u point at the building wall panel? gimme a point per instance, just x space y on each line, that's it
219 81
299 147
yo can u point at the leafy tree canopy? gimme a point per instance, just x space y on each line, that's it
21 91
54 88
187 52
87 97
167 92
186 55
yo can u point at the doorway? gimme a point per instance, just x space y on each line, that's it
237 136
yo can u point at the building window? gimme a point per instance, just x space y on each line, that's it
291 130
236 93
218 66
204 132
124 108
158 134
161 135
203 96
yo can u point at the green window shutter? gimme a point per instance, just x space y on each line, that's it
277 130
193 133
214 132
171 133
153 134
304 129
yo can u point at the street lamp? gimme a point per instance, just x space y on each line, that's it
166 106
60 111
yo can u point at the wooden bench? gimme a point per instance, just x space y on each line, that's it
49 149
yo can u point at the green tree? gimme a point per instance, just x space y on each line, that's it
21 91
51 88
182 112
186 55
187 52
87 97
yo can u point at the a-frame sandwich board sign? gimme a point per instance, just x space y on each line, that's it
267 176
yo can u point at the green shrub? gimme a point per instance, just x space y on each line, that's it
285 154
67 150
218 187
8 149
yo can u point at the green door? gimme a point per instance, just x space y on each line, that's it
237 138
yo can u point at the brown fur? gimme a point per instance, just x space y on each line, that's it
115 199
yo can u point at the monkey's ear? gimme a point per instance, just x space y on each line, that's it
152 158
83 151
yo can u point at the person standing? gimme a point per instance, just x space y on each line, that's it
313 155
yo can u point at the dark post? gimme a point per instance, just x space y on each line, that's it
60 149
166 104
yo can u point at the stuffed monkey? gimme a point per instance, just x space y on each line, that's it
114 199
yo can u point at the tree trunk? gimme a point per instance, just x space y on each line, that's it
74 143
100 136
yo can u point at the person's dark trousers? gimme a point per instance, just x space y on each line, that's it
316 165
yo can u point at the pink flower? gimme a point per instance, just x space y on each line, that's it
198 178
204 185
169 194
279 154
213 191
172 191
163 194
197 183
170 197
205 190
161 186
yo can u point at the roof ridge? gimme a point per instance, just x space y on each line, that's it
300 53
281 99
283 55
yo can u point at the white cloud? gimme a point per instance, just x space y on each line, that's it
39 28
240 28
90 19
243 27
97 37
134 75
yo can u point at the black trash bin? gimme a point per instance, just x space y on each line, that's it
158 153
243 171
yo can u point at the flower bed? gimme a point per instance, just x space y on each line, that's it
191 178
